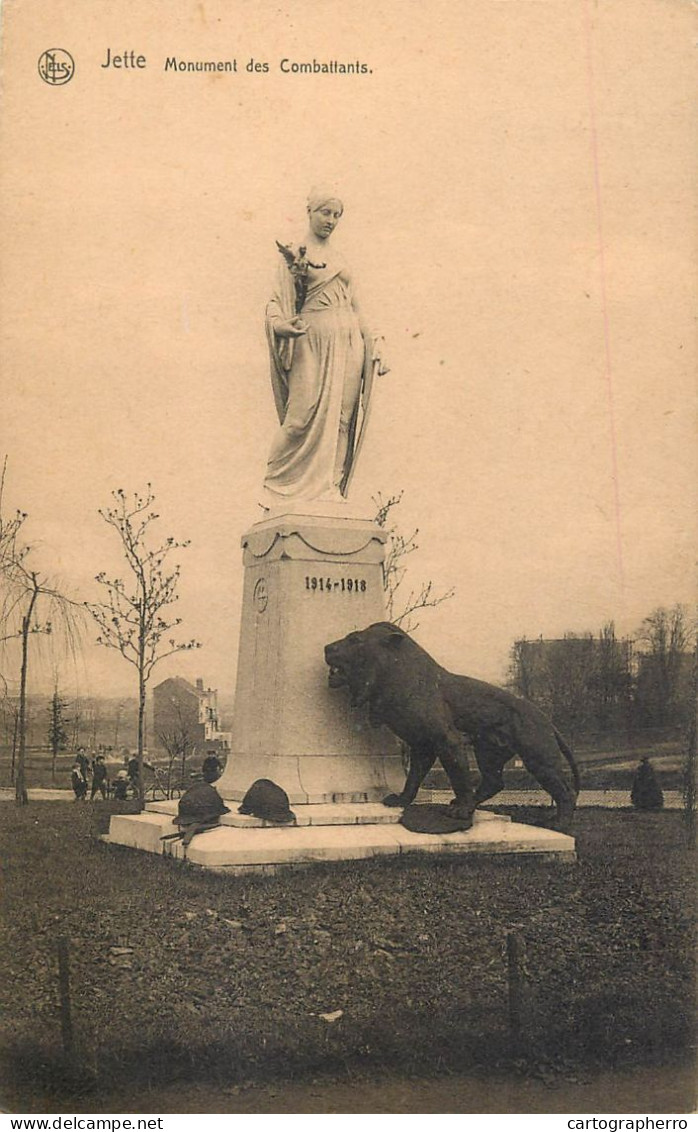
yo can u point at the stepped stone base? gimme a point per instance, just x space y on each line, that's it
324 833
338 813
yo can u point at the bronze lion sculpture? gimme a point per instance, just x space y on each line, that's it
438 713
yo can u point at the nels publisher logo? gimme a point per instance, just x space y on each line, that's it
56 66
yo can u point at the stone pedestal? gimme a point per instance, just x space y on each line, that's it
259 848
309 579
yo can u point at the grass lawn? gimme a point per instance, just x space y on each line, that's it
606 769
184 975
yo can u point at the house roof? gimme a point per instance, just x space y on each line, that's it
183 685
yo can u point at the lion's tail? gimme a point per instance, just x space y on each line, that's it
567 752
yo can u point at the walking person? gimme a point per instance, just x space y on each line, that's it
100 780
83 762
132 771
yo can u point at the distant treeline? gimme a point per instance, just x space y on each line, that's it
94 722
592 685
598 684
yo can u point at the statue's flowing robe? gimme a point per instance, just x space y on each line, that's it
317 381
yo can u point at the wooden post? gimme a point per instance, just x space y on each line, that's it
64 988
516 953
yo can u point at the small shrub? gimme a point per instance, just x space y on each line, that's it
646 793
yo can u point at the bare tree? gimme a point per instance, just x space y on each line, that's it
119 710
26 594
523 676
664 675
179 743
57 733
134 619
402 603
93 720
10 717
611 681
77 725
559 676
7 711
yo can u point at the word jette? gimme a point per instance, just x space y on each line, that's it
129 60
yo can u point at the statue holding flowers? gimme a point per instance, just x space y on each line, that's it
323 360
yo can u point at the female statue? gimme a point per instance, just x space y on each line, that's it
322 364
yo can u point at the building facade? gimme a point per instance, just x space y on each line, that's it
185 716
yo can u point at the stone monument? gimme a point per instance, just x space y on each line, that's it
306 578
310 566
312 574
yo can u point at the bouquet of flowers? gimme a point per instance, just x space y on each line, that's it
298 264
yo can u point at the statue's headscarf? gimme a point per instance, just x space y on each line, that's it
321 194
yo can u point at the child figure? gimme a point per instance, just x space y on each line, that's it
121 785
78 782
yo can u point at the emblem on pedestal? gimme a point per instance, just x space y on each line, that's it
260 595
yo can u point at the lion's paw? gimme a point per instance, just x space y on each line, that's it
461 812
393 800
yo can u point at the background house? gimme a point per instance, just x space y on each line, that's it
185 716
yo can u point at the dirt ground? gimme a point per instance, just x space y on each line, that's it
228 981
660 1090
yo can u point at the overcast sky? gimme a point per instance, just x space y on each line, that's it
518 182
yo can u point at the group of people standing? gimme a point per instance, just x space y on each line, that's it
92 774
85 769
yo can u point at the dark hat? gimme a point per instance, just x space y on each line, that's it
266 800
200 803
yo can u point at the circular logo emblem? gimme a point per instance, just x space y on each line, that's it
260 595
56 66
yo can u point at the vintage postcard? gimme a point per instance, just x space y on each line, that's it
348 448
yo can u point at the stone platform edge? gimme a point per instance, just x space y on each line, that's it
233 850
335 813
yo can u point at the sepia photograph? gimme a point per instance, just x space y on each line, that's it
348 526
